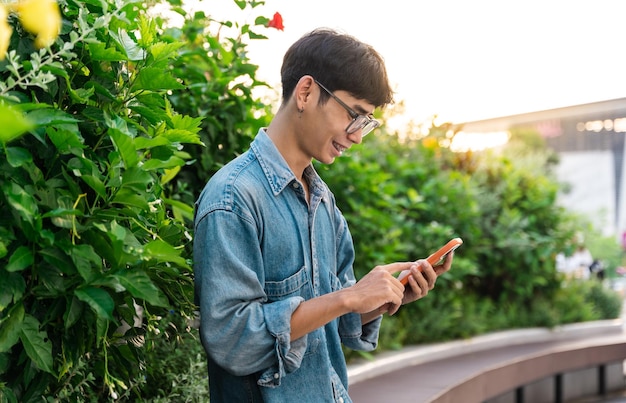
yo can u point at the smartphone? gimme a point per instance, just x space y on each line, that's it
435 258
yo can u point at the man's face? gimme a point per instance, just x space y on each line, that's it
326 135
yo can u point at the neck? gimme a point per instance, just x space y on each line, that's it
284 138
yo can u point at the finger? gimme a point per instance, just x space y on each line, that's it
447 263
415 287
397 267
429 274
392 309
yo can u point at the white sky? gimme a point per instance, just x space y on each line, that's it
465 60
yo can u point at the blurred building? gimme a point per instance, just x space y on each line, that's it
590 141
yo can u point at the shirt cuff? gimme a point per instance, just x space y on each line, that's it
357 336
289 352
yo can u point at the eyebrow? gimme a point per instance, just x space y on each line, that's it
359 109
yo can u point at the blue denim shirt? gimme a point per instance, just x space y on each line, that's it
260 250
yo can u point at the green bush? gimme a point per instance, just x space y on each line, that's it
403 199
96 230
605 304
176 365
89 240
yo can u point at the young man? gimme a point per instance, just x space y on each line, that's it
273 255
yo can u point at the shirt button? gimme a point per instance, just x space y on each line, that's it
341 400
296 185
276 375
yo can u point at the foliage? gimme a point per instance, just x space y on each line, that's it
522 230
222 82
182 377
95 239
605 304
403 199
126 119
605 248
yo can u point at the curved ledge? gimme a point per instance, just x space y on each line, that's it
391 361
485 366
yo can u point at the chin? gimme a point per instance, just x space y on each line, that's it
328 160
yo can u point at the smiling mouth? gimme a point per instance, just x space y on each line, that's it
339 147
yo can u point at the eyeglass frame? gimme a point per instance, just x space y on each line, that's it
365 120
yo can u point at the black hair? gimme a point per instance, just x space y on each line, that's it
340 62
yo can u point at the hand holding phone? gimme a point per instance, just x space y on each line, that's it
435 258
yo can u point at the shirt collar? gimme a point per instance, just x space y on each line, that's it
275 168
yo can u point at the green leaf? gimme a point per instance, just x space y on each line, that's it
181 210
164 252
132 199
171 162
22 201
188 123
73 311
128 45
139 284
99 51
20 259
86 260
66 141
182 136
81 95
169 174
56 258
13 123
154 116
164 51
56 69
36 343
12 288
63 217
96 184
102 328
47 117
124 144
98 299
254 35
94 113
137 179
10 327
18 156
155 79
143 143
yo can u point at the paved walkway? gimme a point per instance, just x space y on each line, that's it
418 374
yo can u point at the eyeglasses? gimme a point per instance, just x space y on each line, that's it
359 122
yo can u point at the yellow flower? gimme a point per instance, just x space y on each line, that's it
41 18
5 32
430 142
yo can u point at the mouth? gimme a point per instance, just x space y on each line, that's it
340 149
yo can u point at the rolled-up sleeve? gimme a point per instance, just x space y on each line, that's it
353 333
289 353
357 336
240 329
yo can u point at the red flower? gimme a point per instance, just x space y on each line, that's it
276 22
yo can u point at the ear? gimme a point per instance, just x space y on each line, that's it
303 91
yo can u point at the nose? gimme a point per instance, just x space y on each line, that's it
356 136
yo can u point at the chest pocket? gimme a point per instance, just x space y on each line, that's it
296 285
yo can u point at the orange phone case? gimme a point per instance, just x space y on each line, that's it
435 257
